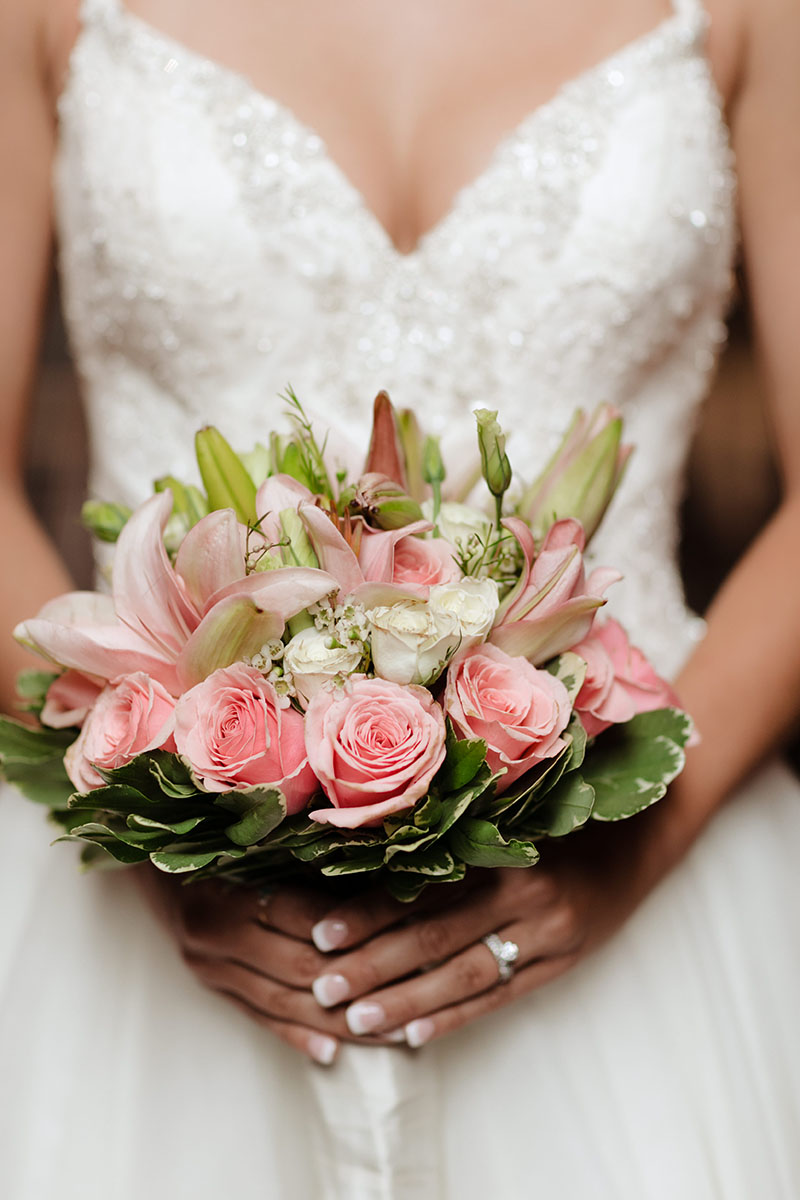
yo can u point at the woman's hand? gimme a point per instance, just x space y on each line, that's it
257 951
432 975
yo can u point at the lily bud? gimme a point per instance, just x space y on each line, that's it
411 442
296 548
105 521
188 502
494 461
582 476
224 476
384 503
257 463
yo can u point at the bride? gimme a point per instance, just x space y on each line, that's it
213 248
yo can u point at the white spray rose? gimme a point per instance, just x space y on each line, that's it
458 522
473 602
311 661
412 642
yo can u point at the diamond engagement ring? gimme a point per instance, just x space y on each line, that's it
505 954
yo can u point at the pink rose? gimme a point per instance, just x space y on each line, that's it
235 733
517 709
69 699
131 716
375 747
423 563
619 680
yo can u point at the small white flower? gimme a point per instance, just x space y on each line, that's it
311 660
412 642
473 602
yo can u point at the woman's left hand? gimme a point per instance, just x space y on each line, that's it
432 974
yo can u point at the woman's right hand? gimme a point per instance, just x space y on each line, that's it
256 950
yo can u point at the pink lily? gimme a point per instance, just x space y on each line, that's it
177 624
552 605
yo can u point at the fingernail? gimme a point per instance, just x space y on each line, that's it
322 1049
419 1032
364 1016
329 934
397 1035
330 989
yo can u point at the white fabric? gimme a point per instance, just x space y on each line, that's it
211 253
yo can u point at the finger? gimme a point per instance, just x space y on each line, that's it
469 973
286 959
351 923
319 1047
289 909
435 1025
426 942
272 999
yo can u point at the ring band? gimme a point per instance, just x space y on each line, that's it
505 954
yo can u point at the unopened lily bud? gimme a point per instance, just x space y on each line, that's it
582 476
188 502
384 503
296 548
494 461
224 476
105 521
257 463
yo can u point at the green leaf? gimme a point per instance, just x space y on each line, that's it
135 821
32 688
435 861
97 835
480 844
266 808
21 743
463 761
354 866
177 862
630 766
172 775
405 886
114 798
567 806
571 670
43 782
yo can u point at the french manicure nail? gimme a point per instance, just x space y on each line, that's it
322 1049
330 989
364 1016
329 934
397 1035
419 1032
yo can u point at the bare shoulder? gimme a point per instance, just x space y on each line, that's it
771 37
35 40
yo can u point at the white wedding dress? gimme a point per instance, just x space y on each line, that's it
211 253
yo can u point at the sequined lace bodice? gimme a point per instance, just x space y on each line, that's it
212 252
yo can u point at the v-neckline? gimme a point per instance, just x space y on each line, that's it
172 47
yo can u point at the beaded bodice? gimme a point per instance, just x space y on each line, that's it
212 252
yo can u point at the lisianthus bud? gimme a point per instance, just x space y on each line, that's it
224 475
494 460
384 503
582 476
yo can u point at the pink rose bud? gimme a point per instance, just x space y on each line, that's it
619 680
132 716
234 731
517 709
375 747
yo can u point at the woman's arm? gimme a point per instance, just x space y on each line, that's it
31 570
742 685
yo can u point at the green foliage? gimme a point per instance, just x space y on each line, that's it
632 765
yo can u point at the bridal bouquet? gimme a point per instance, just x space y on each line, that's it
298 673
